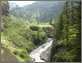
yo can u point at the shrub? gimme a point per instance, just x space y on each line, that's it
23 54
16 52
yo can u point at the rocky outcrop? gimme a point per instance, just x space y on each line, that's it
35 28
4 8
46 55
3 25
4 12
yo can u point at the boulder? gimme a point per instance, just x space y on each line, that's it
33 59
35 28
45 55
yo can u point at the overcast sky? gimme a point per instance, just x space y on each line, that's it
22 3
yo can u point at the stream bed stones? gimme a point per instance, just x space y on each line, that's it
45 55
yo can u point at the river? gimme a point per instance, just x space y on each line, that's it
35 54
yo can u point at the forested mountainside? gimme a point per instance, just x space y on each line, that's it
19 37
67 34
38 11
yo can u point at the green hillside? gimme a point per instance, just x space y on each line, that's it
38 11
19 37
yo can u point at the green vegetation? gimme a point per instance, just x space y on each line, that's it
5 8
21 36
67 35
2 51
38 11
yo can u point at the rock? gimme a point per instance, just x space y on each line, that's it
5 8
46 55
33 59
35 28
4 12
3 25
43 46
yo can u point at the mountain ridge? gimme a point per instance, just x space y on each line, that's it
38 11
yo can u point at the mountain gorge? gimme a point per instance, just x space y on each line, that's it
42 11
44 31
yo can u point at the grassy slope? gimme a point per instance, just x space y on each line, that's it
17 37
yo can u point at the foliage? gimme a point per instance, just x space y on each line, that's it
38 11
5 8
67 34
21 38
2 51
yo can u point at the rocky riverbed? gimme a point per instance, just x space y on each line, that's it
45 55
42 53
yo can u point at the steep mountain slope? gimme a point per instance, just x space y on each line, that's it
18 36
39 11
67 35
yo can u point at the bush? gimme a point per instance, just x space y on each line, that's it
23 54
16 52
28 59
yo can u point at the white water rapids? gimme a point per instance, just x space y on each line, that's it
35 54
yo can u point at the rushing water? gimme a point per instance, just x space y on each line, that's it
35 54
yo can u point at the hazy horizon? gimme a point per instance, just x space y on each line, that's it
22 3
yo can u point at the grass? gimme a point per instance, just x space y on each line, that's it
2 51
18 37
12 38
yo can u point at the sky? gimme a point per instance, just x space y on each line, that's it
22 3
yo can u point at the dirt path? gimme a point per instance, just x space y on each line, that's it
7 56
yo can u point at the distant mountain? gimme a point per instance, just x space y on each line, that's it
42 11
13 5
